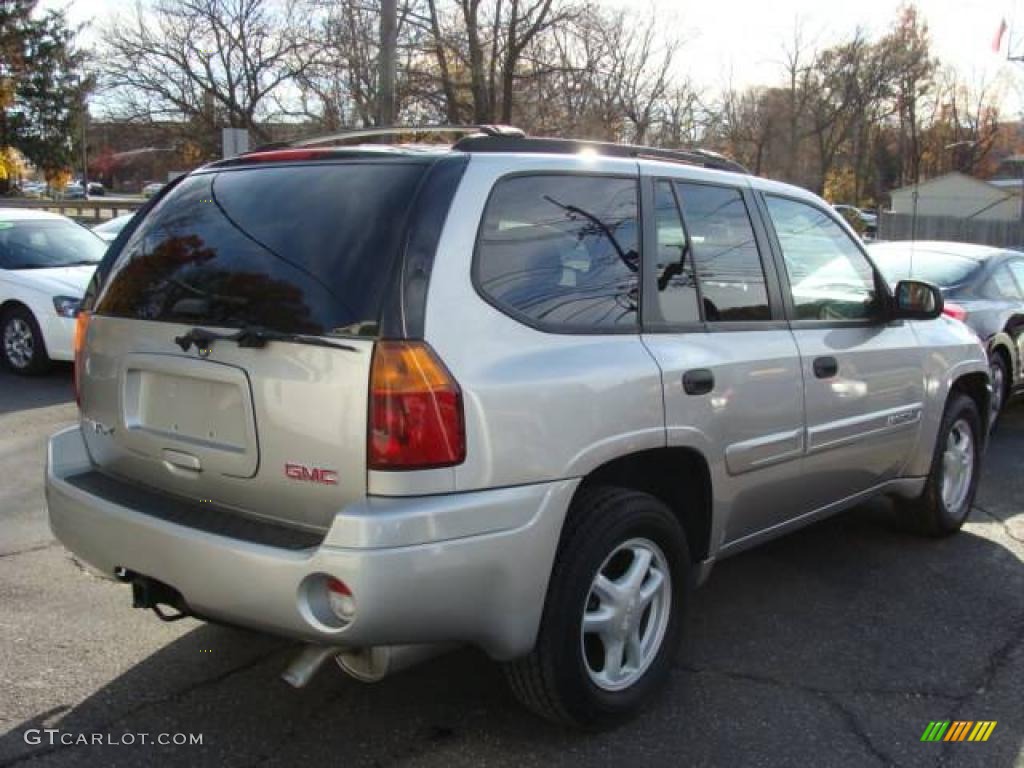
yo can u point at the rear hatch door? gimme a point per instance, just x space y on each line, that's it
299 258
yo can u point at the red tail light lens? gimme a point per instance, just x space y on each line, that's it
955 311
416 419
78 347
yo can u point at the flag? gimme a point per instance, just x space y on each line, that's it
997 41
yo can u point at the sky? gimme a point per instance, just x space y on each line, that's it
742 40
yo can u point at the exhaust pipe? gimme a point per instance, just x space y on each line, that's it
368 665
306 664
371 665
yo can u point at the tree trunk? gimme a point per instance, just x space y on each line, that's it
451 100
386 66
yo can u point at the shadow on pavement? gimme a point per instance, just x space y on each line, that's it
836 645
26 392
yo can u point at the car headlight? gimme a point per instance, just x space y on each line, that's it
66 306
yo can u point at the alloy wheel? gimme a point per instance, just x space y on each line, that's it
957 466
19 345
626 614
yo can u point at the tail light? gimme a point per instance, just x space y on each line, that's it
78 346
955 311
415 419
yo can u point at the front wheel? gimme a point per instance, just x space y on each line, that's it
21 343
949 491
613 615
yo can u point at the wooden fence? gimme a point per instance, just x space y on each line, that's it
902 226
91 211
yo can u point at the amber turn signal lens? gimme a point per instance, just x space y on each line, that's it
416 417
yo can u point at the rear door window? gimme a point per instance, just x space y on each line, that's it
678 299
296 249
728 264
562 252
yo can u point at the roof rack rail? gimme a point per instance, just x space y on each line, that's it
521 143
395 130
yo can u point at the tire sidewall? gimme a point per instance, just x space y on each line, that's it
960 407
997 360
587 702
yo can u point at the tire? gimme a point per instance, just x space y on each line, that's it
21 343
566 678
999 376
935 513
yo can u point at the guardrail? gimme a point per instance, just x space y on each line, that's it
90 211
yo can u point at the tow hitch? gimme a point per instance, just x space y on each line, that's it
150 593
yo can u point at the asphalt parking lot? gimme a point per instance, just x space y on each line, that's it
834 646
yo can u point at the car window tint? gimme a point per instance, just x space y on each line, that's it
829 277
728 265
677 283
1001 285
1017 268
905 261
562 251
296 249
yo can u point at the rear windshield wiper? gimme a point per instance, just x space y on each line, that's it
251 338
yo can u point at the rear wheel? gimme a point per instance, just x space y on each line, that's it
21 343
613 616
949 491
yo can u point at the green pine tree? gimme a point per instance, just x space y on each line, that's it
42 86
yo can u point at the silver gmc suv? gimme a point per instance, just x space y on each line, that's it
516 393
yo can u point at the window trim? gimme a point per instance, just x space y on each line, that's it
555 328
792 321
654 322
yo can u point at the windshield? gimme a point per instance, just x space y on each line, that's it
292 249
943 269
38 244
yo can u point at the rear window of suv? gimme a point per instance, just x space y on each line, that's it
296 249
562 252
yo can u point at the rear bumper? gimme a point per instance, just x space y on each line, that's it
469 567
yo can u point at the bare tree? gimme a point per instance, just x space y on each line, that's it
212 62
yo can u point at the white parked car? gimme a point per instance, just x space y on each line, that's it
46 262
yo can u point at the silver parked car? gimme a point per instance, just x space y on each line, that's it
517 393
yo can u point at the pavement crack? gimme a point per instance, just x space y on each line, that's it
1002 523
170 697
854 726
829 695
822 691
29 550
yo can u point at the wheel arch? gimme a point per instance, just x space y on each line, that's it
976 386
678 476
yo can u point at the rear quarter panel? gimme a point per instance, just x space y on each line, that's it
539 406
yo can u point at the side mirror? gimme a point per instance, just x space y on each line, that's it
916 300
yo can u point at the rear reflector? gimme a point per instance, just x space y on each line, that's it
416 419
955 311
340 599
78 347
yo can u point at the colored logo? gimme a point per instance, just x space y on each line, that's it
958 730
